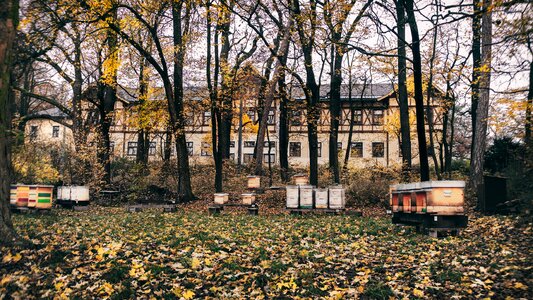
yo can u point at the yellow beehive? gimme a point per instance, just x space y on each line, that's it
248 198
436 197
221 198
301 179
23 193
254 182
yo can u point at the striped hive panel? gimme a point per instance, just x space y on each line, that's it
13 195
44 197
23 193
32 199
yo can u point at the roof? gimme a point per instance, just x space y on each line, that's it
360 92
53 112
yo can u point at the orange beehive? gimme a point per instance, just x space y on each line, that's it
435 197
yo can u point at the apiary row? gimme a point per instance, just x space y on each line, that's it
309 197
41 196
223 198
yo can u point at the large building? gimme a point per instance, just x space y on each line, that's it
375 130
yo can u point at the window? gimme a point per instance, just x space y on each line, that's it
151 148
132 148
271 119
251 115
206 149
232 156
33 132
339 146
190 148
189 118
358 117
356 149
378 148
377 117
249 144
269 158
111 148
319 148
55 131
206 118
295 149
247 157
271 145
296 118
232 144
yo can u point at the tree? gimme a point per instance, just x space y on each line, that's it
8 27
419 97
335 16
482 110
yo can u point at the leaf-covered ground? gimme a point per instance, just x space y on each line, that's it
108 252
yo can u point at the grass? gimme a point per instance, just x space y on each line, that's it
108 252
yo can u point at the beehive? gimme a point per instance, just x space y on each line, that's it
44 196
221 198
439 197
292 196
301 179
337 199
321 198
248 198
306 196
254 182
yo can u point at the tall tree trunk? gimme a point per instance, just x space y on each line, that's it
226 101
429 109
283 129
269 97
143 136
212 84
176 106
476 65
419 97
403 101
529 103
108 104
478 158
8 26
335 109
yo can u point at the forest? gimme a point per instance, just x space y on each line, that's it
180 104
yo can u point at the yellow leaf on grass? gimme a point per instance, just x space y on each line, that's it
418 293
195 264
188 294
5 280
520 286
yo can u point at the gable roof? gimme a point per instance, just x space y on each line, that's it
360 92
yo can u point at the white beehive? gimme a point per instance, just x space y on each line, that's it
337 198
321 198
306 196
292 196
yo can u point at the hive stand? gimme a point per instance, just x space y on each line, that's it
80 207
435 225
216 209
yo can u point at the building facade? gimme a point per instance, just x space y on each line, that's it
371 110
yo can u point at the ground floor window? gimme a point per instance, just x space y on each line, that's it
269 158
206 149
132 148
319 149
247 158
356 149
151 149
190 148
378 149
295 149
55 131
